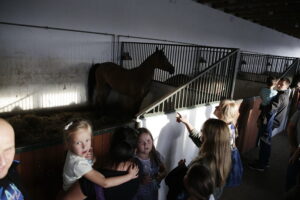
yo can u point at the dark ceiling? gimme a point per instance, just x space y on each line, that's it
281 15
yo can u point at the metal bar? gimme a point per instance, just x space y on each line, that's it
237 61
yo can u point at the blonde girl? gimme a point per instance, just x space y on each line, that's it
153 167
79 161
215 153
228 111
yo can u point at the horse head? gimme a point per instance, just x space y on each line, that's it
161 61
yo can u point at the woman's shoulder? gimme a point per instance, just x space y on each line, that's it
125 165
112 172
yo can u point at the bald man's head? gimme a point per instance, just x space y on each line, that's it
7 147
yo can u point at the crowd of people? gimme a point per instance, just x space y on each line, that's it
135 168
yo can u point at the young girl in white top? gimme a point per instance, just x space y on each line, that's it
153 167
79 160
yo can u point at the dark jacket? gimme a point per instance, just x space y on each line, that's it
279 105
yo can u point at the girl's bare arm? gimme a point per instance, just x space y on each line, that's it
180 118
98 178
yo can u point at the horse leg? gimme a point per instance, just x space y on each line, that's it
101 96
135 107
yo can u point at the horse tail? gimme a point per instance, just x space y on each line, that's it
91 82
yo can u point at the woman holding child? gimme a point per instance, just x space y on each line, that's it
118 179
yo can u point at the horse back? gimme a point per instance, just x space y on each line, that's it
110 72
128 82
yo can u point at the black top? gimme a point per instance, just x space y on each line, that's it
10 185
125 191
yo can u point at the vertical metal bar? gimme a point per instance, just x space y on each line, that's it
237 60
122 48
175 99
179 51
185 60
137 54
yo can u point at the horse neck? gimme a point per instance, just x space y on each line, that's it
147 67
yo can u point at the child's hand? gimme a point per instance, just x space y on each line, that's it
90 154
179 118
133 171
162 168
146 179
162 173
181 162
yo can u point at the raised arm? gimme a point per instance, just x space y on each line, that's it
181 119
193 134
97 178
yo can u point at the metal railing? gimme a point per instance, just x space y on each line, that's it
293 69
257 67
188 60
212 84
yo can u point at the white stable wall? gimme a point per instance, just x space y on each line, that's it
171 138
177 20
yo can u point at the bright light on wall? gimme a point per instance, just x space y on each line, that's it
8 104
59 99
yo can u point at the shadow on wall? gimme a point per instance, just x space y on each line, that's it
246 89
168 137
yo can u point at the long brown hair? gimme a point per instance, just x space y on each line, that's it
215 150
153 152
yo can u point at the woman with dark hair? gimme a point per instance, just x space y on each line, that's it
199 183
121 157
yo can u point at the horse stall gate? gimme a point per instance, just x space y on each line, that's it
257 67
189 61
42 67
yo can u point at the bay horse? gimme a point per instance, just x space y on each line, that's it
133 83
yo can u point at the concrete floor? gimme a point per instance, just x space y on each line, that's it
266 185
